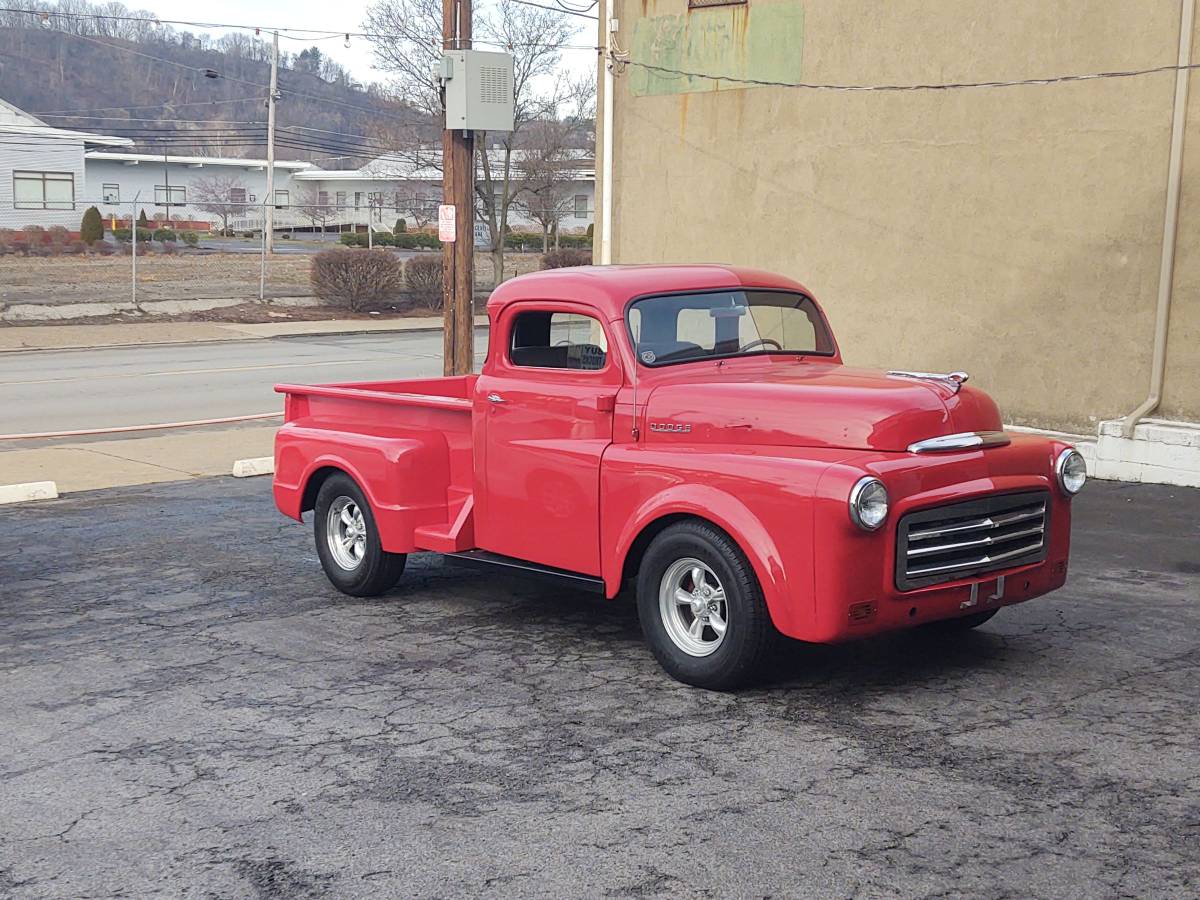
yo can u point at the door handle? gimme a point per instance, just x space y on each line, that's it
496 398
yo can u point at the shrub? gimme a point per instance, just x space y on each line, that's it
144 235
591 233
91 229
415 240
561 259
19 246
353 239
170 248
34 234
104 248
400 227
7 236
424 277
165 234
247 234
356 279
122 234
383 239
286 236
75 248
190 238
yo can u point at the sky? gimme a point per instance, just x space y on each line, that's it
318 15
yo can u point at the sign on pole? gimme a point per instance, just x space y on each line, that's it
447 230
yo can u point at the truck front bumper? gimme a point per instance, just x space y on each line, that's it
859 587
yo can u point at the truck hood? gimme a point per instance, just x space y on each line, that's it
810 404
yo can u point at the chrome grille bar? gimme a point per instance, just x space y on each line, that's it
973 537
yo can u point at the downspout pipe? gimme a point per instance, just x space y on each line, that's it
1166 270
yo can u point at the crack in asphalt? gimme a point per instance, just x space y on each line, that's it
190 710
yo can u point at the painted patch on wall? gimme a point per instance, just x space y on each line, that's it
763 41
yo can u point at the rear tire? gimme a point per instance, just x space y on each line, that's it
962 623
348 540
702 609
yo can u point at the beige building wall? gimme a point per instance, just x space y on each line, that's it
1012 232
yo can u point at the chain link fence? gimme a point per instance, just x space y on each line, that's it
146 260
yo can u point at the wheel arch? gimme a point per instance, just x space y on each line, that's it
718 510
316 478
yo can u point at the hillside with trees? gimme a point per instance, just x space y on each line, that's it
170 89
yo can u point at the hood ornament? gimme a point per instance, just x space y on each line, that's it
953 380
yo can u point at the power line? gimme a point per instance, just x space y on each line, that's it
63 113
621 59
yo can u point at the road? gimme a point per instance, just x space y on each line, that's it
190 711
80 389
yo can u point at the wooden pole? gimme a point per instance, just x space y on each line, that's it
458 189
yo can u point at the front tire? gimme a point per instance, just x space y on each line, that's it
702 609
348 540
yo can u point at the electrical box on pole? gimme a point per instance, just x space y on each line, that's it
479 90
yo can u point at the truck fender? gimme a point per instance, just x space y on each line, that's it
726 512
403 478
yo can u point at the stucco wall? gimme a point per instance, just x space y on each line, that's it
1014 233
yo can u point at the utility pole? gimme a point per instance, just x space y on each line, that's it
269 218
458 190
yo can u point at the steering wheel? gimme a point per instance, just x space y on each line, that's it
761 342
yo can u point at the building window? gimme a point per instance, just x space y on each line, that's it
282 199
581 206
340 198
237 195
111 193
44 190
170 195
357 199
322 198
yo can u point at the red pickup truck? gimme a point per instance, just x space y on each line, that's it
690 431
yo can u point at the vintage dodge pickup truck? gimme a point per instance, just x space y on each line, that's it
690 431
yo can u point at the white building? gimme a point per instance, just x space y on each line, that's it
176 187
49 176
43 177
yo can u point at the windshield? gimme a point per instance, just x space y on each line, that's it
721 324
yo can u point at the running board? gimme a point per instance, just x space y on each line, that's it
513 566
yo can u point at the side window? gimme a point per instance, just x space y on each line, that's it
557 340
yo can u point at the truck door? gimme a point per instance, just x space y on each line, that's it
547 396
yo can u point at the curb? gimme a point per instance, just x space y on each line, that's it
22 493
247 468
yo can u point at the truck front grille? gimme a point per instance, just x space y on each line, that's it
965 539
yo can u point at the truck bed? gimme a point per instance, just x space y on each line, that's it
408 443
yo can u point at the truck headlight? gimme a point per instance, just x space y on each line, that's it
868 503
1072 471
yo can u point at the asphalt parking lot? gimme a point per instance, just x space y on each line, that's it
189 710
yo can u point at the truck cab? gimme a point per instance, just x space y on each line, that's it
689 433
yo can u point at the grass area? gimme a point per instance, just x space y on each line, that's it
74 279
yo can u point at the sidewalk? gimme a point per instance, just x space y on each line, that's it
80 337
86 466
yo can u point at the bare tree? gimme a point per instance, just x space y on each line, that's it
536 34
312 206
408 40
545 174
418 201
408 45
223 196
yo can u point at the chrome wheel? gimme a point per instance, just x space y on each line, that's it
346 533
692 604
